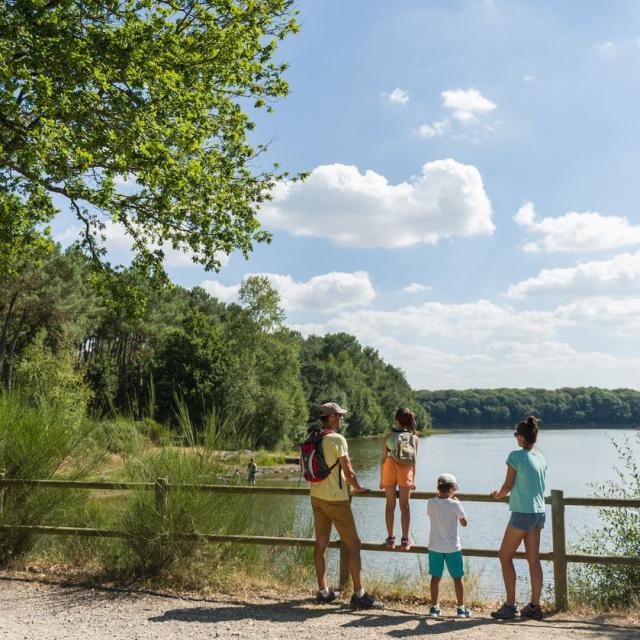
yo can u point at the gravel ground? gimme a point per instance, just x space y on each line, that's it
51 612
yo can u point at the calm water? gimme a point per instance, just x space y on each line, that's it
576 461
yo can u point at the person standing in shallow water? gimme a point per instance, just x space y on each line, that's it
525 484
331 506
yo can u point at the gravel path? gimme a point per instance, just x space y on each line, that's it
30 610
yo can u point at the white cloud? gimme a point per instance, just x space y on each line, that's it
326 293
528 78
416 287
397 96
363 210
119 246
619 276
435 130
619 316
588 231
467 105
480 344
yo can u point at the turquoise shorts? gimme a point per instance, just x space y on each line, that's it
453 560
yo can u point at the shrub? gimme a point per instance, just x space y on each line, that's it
610 586
37 442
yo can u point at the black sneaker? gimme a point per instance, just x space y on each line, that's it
330 597
365 602
506 612
531 611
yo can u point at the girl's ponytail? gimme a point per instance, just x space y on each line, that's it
406 419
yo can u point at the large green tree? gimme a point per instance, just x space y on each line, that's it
137 112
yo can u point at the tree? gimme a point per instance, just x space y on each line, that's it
132 111
262 301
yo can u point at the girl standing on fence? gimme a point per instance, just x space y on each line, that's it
398 470
525 484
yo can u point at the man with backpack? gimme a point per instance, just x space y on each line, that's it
326 465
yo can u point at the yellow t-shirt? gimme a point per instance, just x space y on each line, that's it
334 446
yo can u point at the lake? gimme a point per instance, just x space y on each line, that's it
577 459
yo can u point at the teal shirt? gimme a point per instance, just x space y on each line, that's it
527 492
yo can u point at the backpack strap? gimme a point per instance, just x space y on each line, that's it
322 434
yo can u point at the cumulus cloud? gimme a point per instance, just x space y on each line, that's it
326 293
528 78
619 276
466 104
397 96
416 287
364 210
588 231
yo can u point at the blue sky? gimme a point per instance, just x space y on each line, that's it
482 154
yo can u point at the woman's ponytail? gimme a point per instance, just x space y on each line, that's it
528 429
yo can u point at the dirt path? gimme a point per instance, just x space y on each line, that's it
31 610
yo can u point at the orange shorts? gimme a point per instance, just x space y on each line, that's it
396 474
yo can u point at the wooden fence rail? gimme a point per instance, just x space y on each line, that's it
161 487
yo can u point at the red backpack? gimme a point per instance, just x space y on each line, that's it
314 466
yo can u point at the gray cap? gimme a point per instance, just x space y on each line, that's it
447 478
329 408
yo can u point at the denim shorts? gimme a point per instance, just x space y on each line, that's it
526 521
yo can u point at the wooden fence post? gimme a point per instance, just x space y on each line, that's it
344 567
161 492
559 549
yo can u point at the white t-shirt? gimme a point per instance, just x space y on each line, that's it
444 514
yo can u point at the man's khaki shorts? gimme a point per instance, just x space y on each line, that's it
326 513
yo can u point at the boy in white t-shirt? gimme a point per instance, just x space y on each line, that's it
445 511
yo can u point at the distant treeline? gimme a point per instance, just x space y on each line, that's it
579 406
150 349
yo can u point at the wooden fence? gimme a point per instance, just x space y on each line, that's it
161 487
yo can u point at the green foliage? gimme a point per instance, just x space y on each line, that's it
121 435
49 379
37 439
611 586
499 407
137 112
336 368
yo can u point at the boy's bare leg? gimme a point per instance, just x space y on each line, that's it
405 514
435 587
458 584
390 509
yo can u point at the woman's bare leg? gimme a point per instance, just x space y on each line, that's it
510 543
532 549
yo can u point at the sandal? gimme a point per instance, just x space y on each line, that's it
390 542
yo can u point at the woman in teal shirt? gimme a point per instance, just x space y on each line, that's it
525 485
